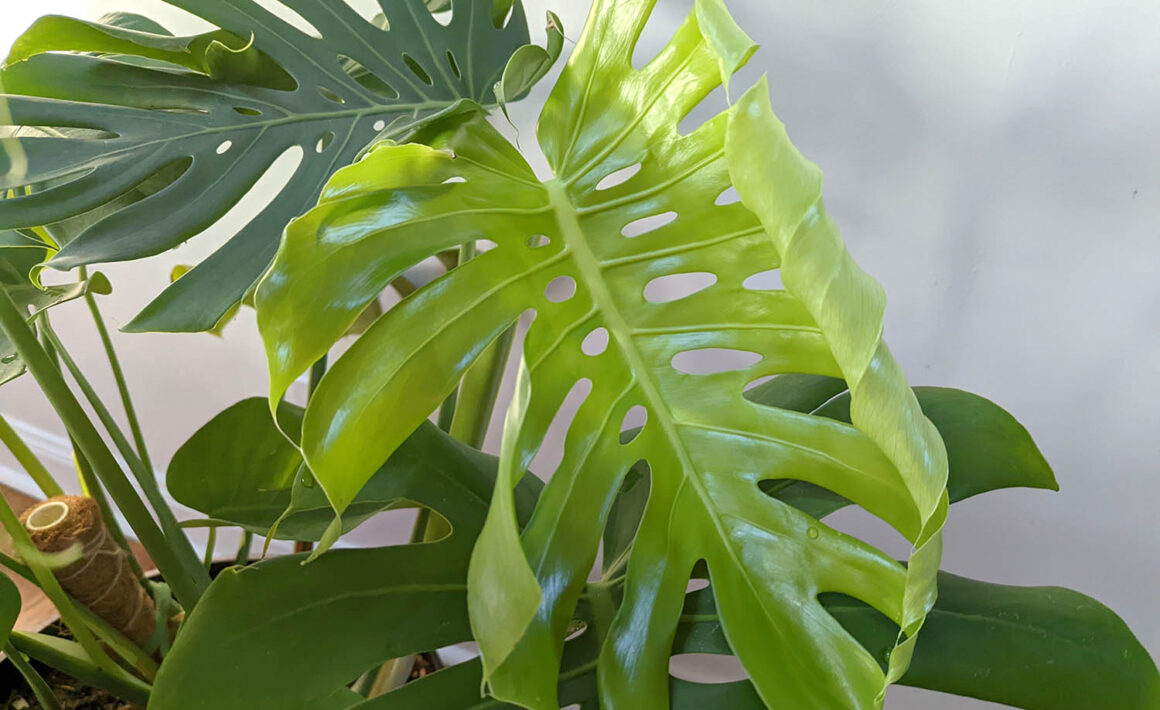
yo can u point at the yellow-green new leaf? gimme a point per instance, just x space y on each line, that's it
631 200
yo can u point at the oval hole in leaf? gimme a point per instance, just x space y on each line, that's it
728 196
417 70
482 245
224 146
330 95
576 628
707 668
633 423
443 17
454 178
379 125
551 451
644 225
696 585
560 289
758 382
323 142
292 18
764 281
538 240
710 361
247 111
365 77
595 342
618 177
454 65
673 287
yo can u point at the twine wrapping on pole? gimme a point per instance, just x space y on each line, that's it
101 579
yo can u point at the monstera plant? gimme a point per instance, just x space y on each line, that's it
685 512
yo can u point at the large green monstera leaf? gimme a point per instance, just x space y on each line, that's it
133 140
571 250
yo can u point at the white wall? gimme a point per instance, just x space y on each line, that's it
993 163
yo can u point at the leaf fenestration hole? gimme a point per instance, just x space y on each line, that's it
576 628
633 423
538 240
710 361
357 71
454 178
728 196
330 95
696 584
560 289
292 18
443 17
618 177
764 281
323 142
644 225
379 125
551 452
454 65
674 287
417 70
707 668
247 111
482 245
595 343
758 382
224 146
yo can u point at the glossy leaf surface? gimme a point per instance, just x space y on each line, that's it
202 118
278 634
987 448
580 258
240 469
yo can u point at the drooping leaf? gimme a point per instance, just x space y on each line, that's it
568 251
240 469
20 253
197 120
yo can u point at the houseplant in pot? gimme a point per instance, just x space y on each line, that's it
704 495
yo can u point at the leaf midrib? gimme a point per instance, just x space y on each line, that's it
590 268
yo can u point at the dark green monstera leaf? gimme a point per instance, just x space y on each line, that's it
130 141
573 250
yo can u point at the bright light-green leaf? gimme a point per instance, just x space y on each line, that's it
205 116
987 449
573 249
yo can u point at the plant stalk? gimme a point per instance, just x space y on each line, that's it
179 549
40 689
187 583
69 658
32 465
118 375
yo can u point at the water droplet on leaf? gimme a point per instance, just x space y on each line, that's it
812 533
